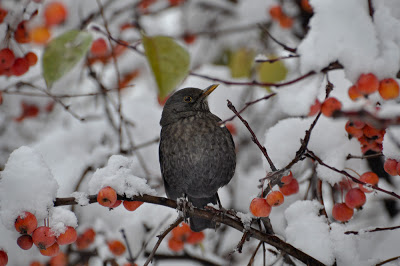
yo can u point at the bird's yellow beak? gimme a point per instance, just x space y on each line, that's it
208 90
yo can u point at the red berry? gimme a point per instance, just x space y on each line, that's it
260 208
330 105
116 247
355 198
369 178
181 232
291 188
51 251
55 13
7 58
68 237
315 108
20 66
59 260
287 178
3 258
286 22
341 212
398 168
3 14
107 196
195 238
43 237
32 58
99 47
21 34
189 38
275 198
390 167
175 244
116 204
25 242
389 89
276 12
353 93
26 223
352 130
367 84
85 239
132 205
175 2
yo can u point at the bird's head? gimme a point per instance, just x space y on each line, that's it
186 102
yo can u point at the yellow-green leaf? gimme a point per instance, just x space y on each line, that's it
240 63
63 53
271 72
168 61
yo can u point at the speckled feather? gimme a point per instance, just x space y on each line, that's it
197 156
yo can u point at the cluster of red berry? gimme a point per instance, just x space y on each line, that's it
107 197
42 236
355 197
369 137
392 167
368 83
261 207
11 65
183 234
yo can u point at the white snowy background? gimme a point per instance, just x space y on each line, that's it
45 157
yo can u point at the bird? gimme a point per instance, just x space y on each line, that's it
197 155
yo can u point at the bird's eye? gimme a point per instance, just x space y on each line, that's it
187 99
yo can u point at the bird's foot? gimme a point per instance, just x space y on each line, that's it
183 206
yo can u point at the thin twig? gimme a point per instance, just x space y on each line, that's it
161 238
253 136
378 229
131 259
284 46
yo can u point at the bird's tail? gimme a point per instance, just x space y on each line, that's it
199 224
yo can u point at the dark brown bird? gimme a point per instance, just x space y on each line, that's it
197 155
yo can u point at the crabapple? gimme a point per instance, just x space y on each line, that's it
275 198
341 212
68 237
25 242
355 198
43 237
116 247
259 207
26 223
107 196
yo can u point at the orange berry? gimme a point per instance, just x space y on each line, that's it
372 133
195 238
26 223
398 168
315 108
291 188
20 66
31 58
275 198
355 198
353 131
287 178
390 167
116 204
59 260
25 242
132 205
68 237
21 34
99 47
107 196
85 239
353 93
259 207
55 13
35 263
369 178
116 247
305 5
3 14
7 58
367 84
3 258
389 89
181 232
276 12
330 106
43 237
341 212
285 22
175 244
40 35
51 251
175 2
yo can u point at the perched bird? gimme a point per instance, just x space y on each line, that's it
197 155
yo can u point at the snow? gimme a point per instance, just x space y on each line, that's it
360 44
26 184
245 218
60 218
119 175
308 230
81 198
390 143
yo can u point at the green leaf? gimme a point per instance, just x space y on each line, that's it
240 63
271 72
168 60
63 53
